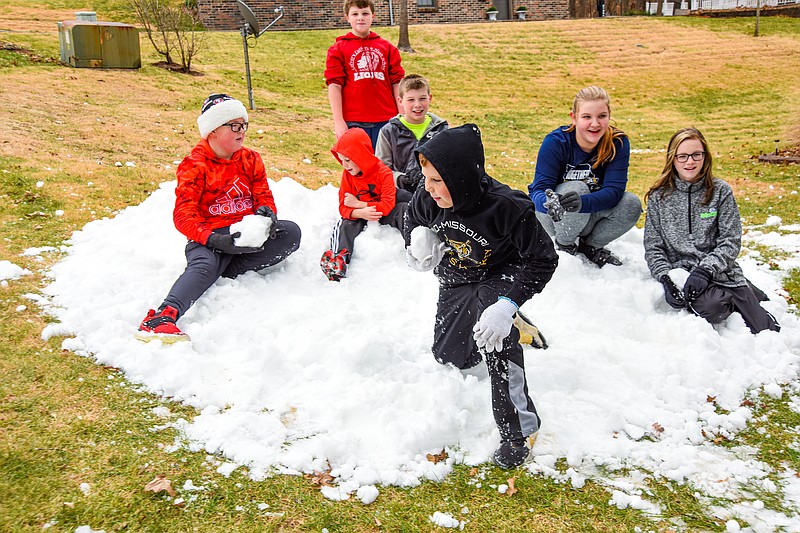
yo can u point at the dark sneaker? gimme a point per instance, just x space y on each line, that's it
161 325
528 332
598 256
571 249
514 453
334 266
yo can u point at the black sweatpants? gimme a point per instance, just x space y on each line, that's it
343 236
204 266
458 310
716 303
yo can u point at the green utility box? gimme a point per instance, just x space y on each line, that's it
99 44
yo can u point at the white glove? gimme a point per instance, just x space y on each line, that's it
426 250
494 325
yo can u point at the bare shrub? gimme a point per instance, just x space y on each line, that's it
172 28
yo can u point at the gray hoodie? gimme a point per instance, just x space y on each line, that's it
680 232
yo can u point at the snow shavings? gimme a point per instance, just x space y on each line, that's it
322 377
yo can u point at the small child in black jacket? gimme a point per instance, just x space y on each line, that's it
491 255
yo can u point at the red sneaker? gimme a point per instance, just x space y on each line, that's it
334 266
161 326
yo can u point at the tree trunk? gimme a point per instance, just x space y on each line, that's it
403 43
758 17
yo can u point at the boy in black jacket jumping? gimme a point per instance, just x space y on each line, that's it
491 255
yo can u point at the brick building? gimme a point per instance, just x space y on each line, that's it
318 14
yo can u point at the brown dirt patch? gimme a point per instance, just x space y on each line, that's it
33 18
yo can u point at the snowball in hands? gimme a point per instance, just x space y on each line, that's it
254 231
425 250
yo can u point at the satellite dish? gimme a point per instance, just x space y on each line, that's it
252 27
250 20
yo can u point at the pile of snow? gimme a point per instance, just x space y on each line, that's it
292 373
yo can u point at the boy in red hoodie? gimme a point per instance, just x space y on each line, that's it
363 73
367 192
219 183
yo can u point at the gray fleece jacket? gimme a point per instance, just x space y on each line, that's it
396 144
680 232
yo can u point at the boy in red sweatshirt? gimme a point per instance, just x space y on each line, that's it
219 183
367 192
363 72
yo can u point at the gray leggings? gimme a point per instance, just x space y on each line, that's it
595 229
204 266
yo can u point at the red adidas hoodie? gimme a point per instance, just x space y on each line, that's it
366 68
375 185
213 192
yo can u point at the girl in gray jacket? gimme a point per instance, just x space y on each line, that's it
693 223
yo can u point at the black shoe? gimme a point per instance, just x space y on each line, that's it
598 256
571 249
514 453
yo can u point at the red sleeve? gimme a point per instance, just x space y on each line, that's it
335 66
396 71
387 191
262 195
186 215
345 187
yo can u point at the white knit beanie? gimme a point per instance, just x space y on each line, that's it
217 110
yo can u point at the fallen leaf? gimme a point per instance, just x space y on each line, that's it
711 399
160 483
747 403
658 428
378 522
441 456
473 471
323 479
511 490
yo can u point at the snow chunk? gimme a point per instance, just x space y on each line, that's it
773 220
9 270
367 494
445 520
254 231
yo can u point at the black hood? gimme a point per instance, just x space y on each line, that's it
457 154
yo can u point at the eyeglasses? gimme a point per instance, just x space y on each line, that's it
683 158
236 127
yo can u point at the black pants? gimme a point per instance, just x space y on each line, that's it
345 231
717 303
204 266
458 310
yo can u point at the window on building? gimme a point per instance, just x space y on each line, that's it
426 3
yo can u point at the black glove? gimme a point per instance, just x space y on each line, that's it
672 294
570 201
696 283
410 180
265 211
222 243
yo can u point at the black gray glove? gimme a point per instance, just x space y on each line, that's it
410 180
220 242
265 211
570 201
696 283
672 294
553 205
